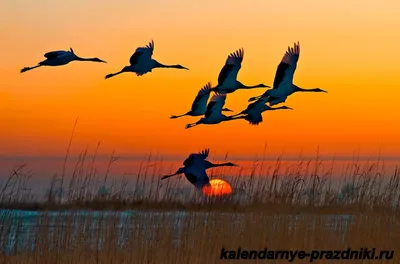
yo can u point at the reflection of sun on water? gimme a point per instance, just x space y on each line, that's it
217 188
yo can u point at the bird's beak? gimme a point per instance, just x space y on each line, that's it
185 68
103 61
290 108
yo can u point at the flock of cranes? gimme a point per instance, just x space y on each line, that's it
227 83
195 166
141 62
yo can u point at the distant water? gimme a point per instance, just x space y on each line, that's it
44 169
20 228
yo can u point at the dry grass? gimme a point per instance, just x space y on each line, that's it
192 237
279 207
303 186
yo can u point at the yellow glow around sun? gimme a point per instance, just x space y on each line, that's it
217 188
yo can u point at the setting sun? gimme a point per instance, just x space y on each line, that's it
218 187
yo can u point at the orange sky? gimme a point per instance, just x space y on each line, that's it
347 47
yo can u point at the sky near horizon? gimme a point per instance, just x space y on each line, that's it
348 48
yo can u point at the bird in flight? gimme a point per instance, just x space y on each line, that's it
213 113
227 78
253 112
195 167
283 82
60 57
141 62
199 105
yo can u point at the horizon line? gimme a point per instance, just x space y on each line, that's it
158 157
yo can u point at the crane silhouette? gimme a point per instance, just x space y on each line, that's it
199 105
227 78
253 112
195 167
59 58
141 62
283 83
213 113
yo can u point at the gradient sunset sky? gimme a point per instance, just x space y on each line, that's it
349 48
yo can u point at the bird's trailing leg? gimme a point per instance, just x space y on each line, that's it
112 74
167 176
177 116
261 85
30 68
237 117
191 125
241 113
254 98
125 69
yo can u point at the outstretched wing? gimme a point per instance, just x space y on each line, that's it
196 156
142 53
204 153
215 105
200 102
54 54
285 71
231 68
254 118
198 178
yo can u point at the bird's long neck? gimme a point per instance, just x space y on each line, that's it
276 108
213 165
159 65
298 89
85 59
242 86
